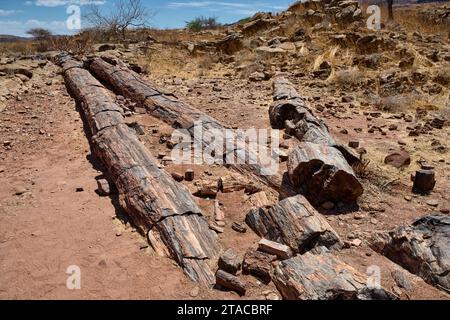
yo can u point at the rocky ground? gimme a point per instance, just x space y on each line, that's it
386 90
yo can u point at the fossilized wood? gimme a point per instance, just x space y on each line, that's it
229 281
179 115
233 182
423 248
155 203
259 199
322 276
295 223
323 174
289 111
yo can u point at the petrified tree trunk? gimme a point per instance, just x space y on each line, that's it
153 200
322 174
294 222
179 115
422 248
322 276
289 111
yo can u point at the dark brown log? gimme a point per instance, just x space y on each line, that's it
231 282
178 114
322 276
294 222
322 174
156 204
289 111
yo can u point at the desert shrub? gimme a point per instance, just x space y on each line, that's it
397 103
202 23
347 78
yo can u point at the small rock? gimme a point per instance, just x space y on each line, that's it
424 181
280 250
230 262
195 292
177 177
216 228
432 202
445 210
103 188
407 198
189 175
398 159
238 227
356 242
353 144
79 189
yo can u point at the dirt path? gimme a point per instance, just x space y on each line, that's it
47 226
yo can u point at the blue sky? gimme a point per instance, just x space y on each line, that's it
18 16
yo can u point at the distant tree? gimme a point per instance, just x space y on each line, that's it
124 15
390 9
39 33
202 23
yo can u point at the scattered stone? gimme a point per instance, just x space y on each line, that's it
445 210
393 127
189 175
280 250
230 262
398 159
216 228
79 189
408 198
231 282
424 181
432 202
353 144
195 292
177 177
103 187
106 47
238 227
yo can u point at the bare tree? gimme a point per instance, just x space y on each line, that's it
390 9
124 15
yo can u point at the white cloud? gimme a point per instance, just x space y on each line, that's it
238 8
58 3
4 13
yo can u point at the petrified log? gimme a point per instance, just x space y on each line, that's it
230 262
231 282
294 222
289 111
154 201
258 264
322 174
182 116
322 276
282 251
233 182
422 248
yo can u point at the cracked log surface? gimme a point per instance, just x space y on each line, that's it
423 248
181 115
322 174
294 222
318 167
153 200
322 276
289 111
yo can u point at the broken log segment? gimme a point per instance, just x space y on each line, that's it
179 115
289 111
150 196
322 174
231 282
294 222
322 276
421 248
